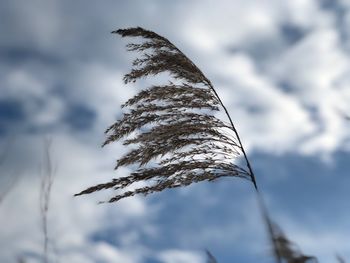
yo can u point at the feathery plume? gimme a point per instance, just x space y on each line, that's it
210 257
340 259
286 250
176 137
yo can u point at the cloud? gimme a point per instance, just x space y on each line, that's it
315 68
71 220
180 256
271 42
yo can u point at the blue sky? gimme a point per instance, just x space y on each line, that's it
282 69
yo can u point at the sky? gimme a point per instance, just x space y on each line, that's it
282 69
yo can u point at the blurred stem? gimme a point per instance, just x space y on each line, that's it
47 178
261 203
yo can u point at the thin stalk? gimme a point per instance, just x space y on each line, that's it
250 169
269 226
261 202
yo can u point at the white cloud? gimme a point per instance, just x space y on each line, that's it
71 220
271 120
108 253
180 256
315 67
306 13
283 122
228 22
